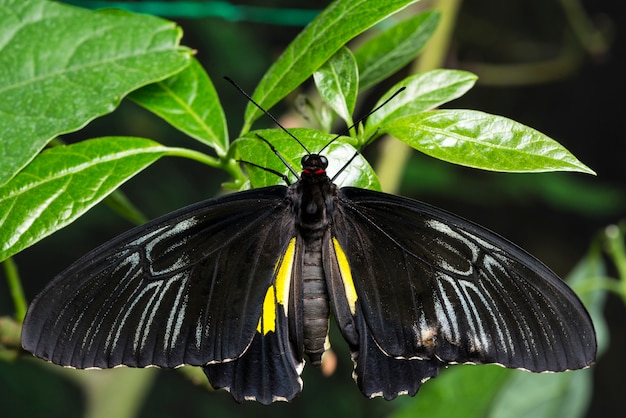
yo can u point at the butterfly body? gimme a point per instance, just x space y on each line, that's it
244 285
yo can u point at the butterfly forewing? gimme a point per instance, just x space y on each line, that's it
185 289
433 285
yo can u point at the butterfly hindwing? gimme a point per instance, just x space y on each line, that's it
375 372
269 369
186 288
378 374
431 285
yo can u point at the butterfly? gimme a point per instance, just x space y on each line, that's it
243 285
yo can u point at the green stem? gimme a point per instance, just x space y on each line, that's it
227 164
15 287
119 202
591 38
594 284
617 251
395 154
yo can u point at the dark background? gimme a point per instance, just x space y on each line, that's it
578 101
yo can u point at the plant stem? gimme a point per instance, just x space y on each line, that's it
227 164
395 154
617 251
15 287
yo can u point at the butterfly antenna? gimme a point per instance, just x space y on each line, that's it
279 155
362 118
242 91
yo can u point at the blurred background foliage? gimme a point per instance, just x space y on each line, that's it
557 66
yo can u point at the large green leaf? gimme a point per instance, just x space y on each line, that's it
252 149
338 83
423 91
63 182
188 101
481 140
392 49
62 66
341 21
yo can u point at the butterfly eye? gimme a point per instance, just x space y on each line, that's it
323 161
305 160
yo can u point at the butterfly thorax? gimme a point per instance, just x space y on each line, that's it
313 196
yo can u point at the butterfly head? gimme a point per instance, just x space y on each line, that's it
314 165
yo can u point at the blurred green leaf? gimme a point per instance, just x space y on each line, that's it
341 21
61 67
462 391
250 148
583 279
386 53
338 83
64 182
543 395
485 141
188 101
424 91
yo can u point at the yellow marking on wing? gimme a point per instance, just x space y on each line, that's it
346 276
278 292
267 321
283 278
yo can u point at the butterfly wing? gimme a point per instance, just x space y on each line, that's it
270 368
186 288
432 286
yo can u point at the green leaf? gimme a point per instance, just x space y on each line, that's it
392 49
341 21
62 66
424 91
584 280
63 182
485 141
456 393
544 395
188 101
251 149
338 83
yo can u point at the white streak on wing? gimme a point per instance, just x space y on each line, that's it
442 318
161 292
156 289
507 340
480 338
198 333
446 230
128 310
175 230
486 244
456 334
96 324
134 261
507 343
178 312
481 342
467 310
145 237
449 266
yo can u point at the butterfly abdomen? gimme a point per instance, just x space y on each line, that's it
315 305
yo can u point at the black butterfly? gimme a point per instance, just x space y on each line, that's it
243 285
